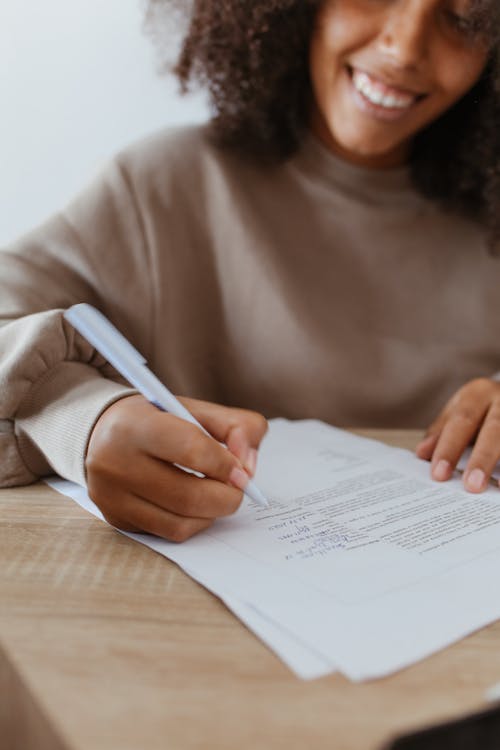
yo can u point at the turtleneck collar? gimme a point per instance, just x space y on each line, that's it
376 186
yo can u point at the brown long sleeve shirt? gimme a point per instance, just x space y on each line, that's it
311 289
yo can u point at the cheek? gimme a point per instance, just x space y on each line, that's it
460 75
340 30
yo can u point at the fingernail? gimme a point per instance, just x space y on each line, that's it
475 480
238 478
441 471
251 462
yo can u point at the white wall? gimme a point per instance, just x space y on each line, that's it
77 82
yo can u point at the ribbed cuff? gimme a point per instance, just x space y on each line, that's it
59 414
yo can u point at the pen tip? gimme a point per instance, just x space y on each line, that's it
255 494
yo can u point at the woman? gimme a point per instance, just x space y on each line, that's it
323 249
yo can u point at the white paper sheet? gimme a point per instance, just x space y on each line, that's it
360 557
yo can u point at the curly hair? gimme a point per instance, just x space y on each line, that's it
253 60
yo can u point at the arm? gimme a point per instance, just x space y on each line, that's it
53 391
63 409
53 386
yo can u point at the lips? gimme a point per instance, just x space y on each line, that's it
381 94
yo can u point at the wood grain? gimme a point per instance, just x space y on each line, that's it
106 645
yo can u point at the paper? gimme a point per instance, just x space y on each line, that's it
361 558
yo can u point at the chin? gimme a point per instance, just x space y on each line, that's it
363 148
364 151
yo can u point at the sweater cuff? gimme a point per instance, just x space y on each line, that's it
57 417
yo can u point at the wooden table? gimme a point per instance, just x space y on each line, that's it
105 645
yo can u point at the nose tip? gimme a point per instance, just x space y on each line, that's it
404 36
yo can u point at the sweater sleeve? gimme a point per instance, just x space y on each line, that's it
53 384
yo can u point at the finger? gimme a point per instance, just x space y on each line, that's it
220 420
137 514
238 443
426 447
174 490
485 454
173 440
461 426
241 430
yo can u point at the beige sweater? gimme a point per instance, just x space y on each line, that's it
314 289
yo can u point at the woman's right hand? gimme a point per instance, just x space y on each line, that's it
130 468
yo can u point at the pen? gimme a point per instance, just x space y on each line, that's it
119 352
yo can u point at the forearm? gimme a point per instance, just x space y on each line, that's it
53 385
53 390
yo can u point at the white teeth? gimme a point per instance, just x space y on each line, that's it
372 91
372 94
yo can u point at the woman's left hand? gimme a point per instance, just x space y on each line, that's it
473 412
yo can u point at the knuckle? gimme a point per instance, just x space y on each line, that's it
251 422
479 386
257 422
180 531
484 382
465 415
470 391
262 425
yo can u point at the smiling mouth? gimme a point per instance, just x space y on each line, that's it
381 95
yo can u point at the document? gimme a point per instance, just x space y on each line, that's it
361 559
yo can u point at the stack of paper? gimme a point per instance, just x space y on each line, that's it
361 563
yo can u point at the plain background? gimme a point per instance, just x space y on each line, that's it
78 81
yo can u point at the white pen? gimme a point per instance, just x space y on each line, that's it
119 352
